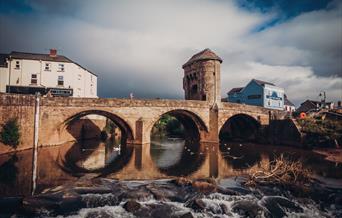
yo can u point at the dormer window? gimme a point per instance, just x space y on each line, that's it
17 64
61 67
47 67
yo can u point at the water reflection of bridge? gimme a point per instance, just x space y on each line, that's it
137 162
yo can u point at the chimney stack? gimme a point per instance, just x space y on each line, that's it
53 52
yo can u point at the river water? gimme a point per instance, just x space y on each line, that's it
147 174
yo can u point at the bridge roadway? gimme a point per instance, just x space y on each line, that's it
135 117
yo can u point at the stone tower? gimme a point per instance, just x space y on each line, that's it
201 79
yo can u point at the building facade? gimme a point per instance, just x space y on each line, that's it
52 74
201 79
288 105
312 106
259 93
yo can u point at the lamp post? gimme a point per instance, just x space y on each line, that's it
323 98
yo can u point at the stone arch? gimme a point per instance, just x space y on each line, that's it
240 126
127 133
192 122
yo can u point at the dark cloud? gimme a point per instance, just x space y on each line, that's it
140 46
61 7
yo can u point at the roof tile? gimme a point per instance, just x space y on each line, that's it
206 54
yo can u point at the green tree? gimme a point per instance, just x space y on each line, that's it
168 125
10 134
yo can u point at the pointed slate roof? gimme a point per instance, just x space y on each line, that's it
206 54
287 101
262 83
3 60
36 56
235 90
43 57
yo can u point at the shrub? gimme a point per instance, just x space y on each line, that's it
10 134
321 132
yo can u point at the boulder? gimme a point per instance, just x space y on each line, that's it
277 205
196 204
132 206
204 187
99 213
225 210
247 208
182 181
187 215
56 203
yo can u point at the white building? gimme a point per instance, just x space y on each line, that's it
288 105
28 73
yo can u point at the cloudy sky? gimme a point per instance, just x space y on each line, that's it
140 46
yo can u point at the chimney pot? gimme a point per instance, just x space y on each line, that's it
53 52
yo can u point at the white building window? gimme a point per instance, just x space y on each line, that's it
60 81
47 67
17 64
34 79
61 67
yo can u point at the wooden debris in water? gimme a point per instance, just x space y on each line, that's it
281 171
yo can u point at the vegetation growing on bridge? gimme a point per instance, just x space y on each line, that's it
10 134
168 125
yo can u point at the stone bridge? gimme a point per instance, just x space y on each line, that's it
134 117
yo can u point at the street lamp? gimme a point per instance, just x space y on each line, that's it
323 98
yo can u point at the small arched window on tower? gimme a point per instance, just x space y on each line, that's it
194 90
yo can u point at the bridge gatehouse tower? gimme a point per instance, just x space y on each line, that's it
201 79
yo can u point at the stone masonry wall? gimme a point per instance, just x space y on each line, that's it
138 116
20 107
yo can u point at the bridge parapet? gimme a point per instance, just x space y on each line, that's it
120 102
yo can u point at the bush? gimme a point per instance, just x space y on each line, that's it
320 132
10 134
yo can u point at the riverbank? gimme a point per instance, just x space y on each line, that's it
175 198
331 154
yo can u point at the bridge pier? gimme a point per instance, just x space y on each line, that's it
212 135
139 131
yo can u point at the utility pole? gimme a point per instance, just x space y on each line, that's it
35 148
